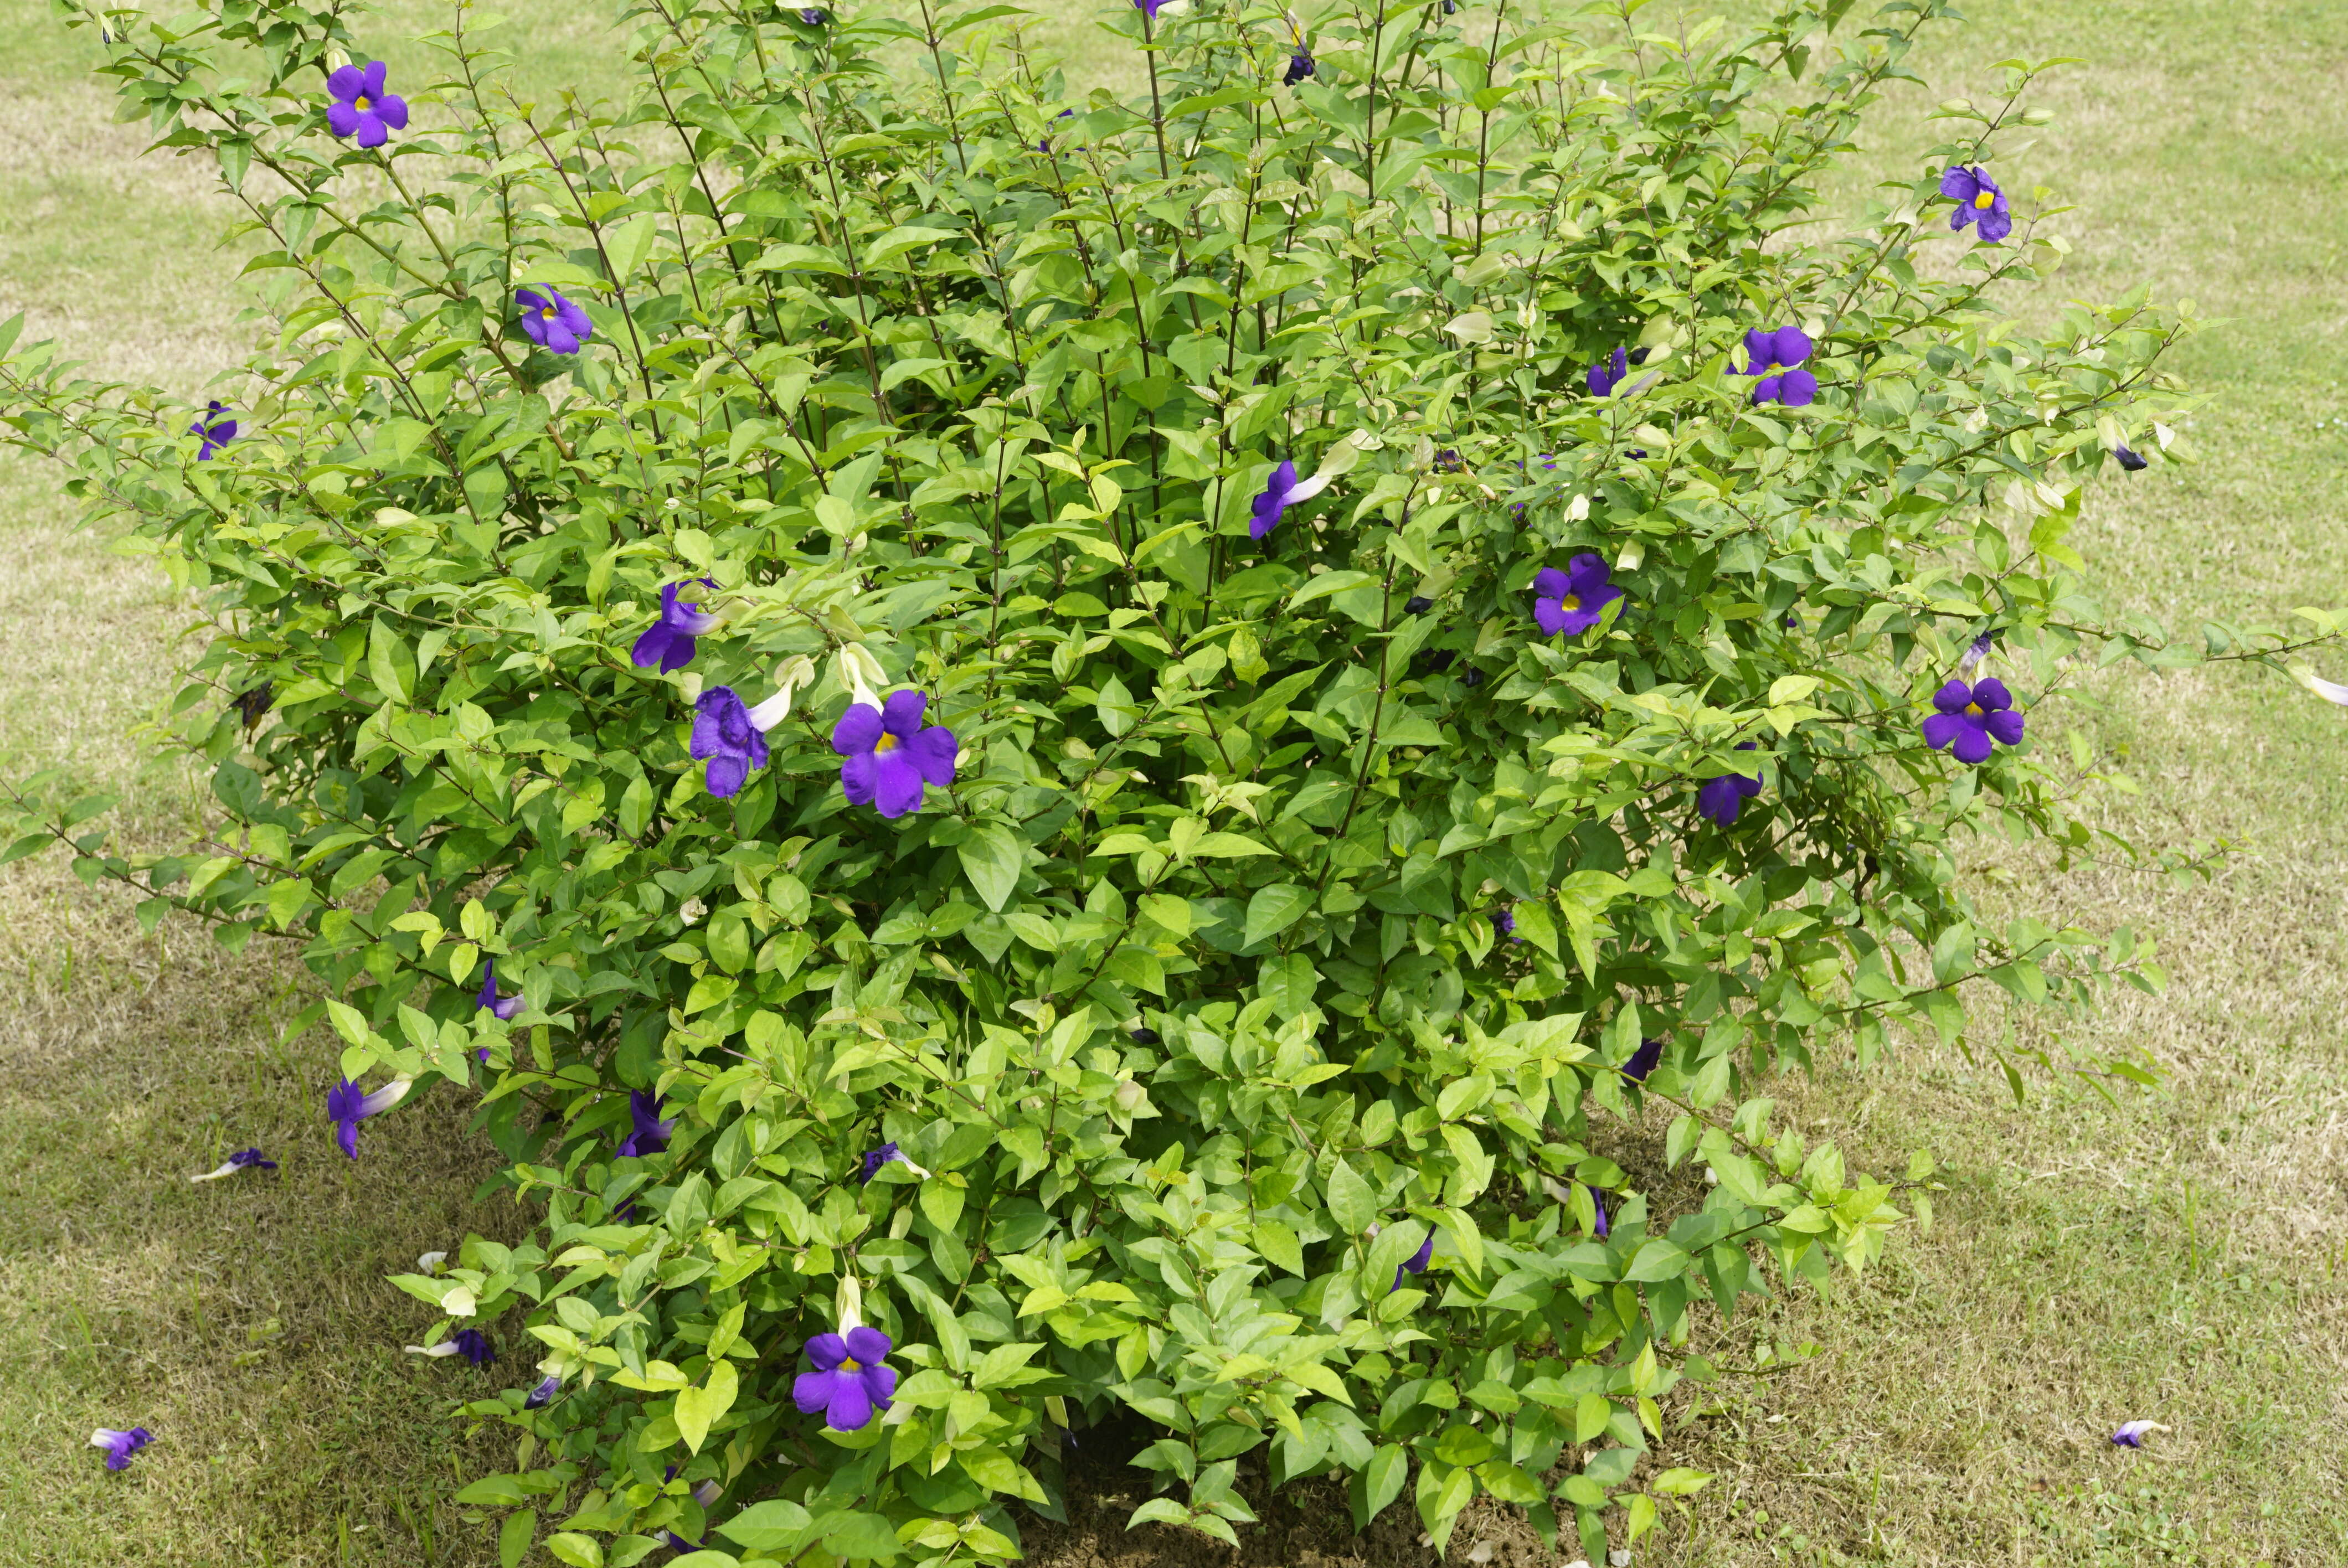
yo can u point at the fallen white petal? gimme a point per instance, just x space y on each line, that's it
430 1262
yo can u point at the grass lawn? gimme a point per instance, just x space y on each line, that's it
2175 1256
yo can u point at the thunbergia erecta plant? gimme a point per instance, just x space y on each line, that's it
1216 789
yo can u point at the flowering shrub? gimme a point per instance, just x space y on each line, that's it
929 698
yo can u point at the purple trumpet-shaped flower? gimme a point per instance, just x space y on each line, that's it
1643 1061
849 1382
1970 717
1598 1206
1416 1263
553 322
2132 1433
540 1396
242 1160
1149 7
1607 374
648 1134
470 1343
503 1008
876 1158
1722 798
347 1108
1281 490
731 737
120 1446
1776 356
1569 603
361 106
2129 457
218 432
891 757
1979 201
1300 66
669 642
814 16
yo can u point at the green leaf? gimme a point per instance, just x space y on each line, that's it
992 858
697 1408
1279 1245
861 1538
514 1537
1274 909
1388 1470
1352 1203
774 1526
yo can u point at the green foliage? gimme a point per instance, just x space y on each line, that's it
1185 1002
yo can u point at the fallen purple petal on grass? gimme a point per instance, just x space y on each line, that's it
242 1160
120 1446
2132 1433
470 1343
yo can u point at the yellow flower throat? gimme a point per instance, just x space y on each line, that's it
359 102
1985 200
886 743
1570 602
1974 709
848 1365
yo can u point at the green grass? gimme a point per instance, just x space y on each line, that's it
2174 1257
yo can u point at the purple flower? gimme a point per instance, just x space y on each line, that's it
1300 66
876 1158
539 1397
1979 200
1045 145
1774 354
120 1446
1416 1263
2129 457
1504 924
669 642
1970 717
1569 603
1975 651
242 1160
1605 377
849 1382
2131 1433
1417 604
725 737
1643 1061
347 1108
474 1347
553 322
1598 1203
487 999
1281 490
649 1135
218 432
1448 461
814 16
1722 798
890 755
361 105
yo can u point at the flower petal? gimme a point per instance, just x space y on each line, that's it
371 79
827 1351
868 1344
1792 346
1972 744
860 778
1940 729
727 775
811 1391
1992 693
1952 697
371 131
1550 583
850 1409
858 731
342 119
394 110
1797 389
346 82
2004 724
932 753
1550 615
1958 182
897 785
901 715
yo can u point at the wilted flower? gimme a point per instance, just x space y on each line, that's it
242 1160
649 1135
539 1397
849 1382
470 1343
1975 651
1300 66
2131 1433
1970 717
347 1108
1504 923
553 322
1417 604
1606 375
1643 1061
362 107
1143 1034
1570 603
814 16
890 755
1448 461
1722 798
886 1153
1598 1204
2129 458
1979 200
1775 355
1281 490
488 997
1416 1263
218 432
1471 677
670 642
120 1446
